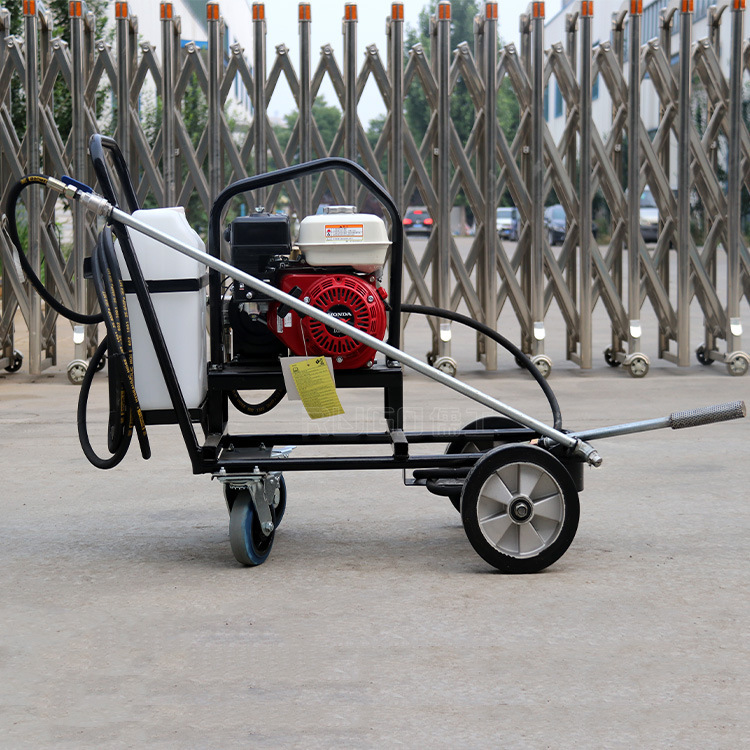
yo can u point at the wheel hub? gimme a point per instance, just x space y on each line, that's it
521 510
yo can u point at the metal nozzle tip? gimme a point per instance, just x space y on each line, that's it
595 459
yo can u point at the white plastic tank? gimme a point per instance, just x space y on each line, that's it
181 314
341 237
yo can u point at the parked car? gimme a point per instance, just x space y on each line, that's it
649 217
418 219
554 223
508 223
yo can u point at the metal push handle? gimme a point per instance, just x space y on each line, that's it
677 421
707 415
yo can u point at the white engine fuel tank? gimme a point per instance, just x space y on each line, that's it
341 237
178 293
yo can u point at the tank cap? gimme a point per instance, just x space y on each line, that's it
340 209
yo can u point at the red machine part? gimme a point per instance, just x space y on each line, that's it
350 298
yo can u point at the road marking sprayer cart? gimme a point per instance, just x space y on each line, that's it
324 301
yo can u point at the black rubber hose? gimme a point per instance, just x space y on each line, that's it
522 359
125 411
120 354
10 210
83 435
117 289
255 410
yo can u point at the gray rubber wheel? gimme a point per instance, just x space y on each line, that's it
543 364
738 364
77 371
250 546
448 365
638 367
520 508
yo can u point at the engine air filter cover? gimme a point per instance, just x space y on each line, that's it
346 297
342 237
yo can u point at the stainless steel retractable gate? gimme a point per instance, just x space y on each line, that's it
111 87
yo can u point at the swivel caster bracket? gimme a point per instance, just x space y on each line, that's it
263 489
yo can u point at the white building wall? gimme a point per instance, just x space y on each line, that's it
237 15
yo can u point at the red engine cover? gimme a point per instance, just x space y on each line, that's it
345 296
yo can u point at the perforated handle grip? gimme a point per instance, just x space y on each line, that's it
707 415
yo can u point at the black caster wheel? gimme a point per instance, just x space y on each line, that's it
519 508
251 544
16 362
700 355
609 357
452 489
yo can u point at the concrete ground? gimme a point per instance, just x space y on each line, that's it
127 623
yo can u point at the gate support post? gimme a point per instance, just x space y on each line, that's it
215 53
259 97
634 185
441 271
169 170
305 107
536 301
683 190
734 187
584 222
85 338
33 164
487 282
350 95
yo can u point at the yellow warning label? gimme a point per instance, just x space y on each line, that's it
316 388
344 232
